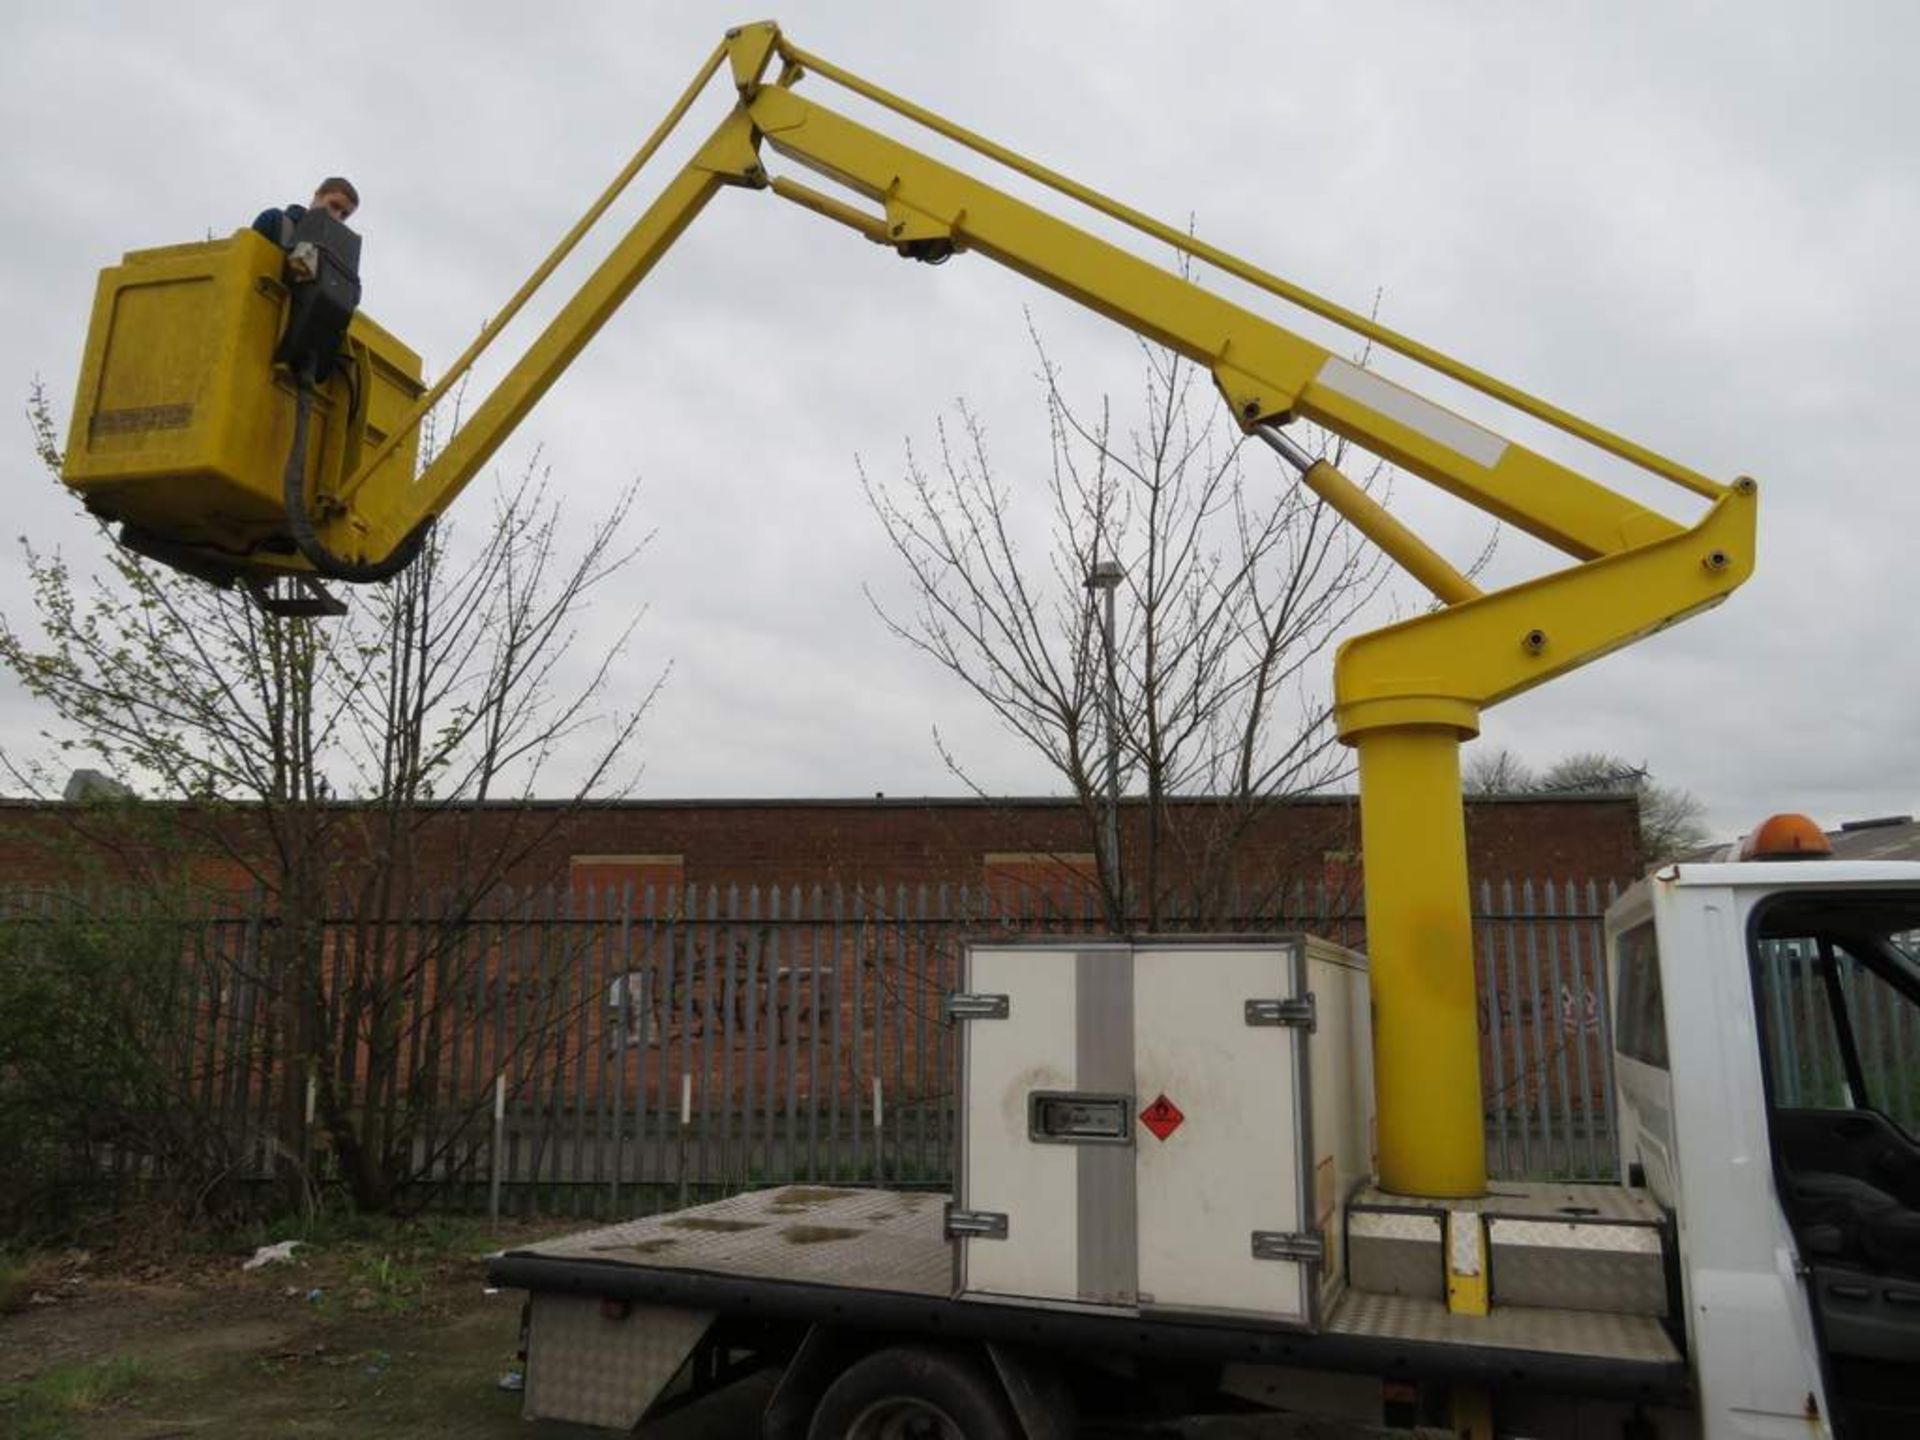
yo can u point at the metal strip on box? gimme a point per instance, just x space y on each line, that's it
1107 1234
1303 1135
956 1250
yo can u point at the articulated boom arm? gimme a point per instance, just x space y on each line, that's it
1405 695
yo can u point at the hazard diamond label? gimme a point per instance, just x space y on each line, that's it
1162 1117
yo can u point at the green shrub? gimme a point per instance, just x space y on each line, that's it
98 1074
16 1284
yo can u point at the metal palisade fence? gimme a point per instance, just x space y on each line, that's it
604 1053
1799 1009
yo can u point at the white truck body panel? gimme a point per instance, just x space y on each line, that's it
1032 1049
1234 1165
1273 1126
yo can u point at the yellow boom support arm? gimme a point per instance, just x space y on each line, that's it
1405 695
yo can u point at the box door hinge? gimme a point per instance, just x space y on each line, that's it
975 1007
1296 1013
975 1224
1303 1246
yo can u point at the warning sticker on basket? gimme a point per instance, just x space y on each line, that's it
1162 1117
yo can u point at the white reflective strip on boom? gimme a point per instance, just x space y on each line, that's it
1443 427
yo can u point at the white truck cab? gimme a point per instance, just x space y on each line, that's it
1766 1038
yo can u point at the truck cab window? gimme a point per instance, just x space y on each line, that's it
1805 1051
1885 1027
1642 1019
1838 1003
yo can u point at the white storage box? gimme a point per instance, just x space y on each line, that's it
1161 1125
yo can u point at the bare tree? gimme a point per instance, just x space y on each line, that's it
1670 815
1236 584
337 769
1670 823
1496 772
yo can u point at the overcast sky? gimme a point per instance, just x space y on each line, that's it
1694 224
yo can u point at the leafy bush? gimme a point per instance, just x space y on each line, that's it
16 1284
99 1080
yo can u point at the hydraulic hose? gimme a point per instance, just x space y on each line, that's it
293 484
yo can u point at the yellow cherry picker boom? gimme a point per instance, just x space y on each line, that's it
218 460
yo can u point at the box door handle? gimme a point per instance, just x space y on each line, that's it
1071 1117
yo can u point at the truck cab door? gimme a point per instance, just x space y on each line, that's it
1838 995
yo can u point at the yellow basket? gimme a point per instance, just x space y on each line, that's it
181 425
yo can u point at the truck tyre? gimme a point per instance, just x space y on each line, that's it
915 1393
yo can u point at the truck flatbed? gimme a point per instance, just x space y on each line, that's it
879 1259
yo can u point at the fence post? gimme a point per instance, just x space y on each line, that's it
499 1130
686 1119
1604 995
1496 1111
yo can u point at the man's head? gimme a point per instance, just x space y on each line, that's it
337 197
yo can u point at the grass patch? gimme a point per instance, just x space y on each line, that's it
385 1283
45 1407
327 1225
342 1230
454 1237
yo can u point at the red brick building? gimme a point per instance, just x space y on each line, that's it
777 1016
853 843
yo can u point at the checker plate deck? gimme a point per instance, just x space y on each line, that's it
1533 1200
862 1239
891 1243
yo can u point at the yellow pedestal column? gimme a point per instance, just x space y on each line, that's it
1426 1038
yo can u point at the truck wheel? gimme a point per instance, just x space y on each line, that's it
914 1393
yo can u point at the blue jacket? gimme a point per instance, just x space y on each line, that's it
277 225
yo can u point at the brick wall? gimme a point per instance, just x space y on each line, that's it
850 842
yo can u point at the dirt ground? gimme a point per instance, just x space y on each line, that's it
382 1336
